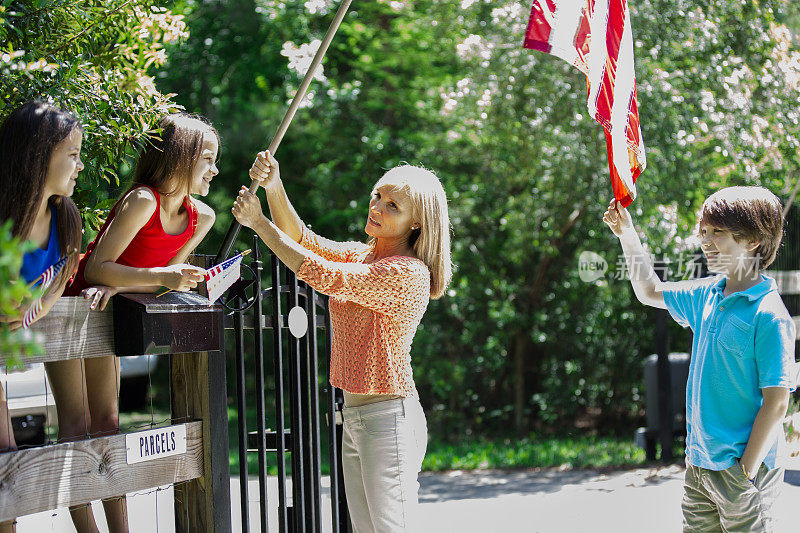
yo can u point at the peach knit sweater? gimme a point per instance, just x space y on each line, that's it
375 309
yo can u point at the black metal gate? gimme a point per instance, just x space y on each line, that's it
277 313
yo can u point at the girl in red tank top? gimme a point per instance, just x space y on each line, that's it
154 227
144 244
151 247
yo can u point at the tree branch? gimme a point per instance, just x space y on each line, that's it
541 275
89 27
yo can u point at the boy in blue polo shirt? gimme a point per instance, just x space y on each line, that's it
742 367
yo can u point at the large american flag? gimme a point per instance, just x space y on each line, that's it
47 278
595 36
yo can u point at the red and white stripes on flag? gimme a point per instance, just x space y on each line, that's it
47 278
573 30
219 278
220 268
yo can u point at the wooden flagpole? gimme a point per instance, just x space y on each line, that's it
790 201
233 230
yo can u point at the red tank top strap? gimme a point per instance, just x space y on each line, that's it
191 209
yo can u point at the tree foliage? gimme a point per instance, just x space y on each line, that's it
718 107
90 57
519 339
445 83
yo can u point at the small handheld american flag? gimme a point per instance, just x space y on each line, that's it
219 274
47 278
220 277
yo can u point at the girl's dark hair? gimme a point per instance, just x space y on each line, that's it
172 153
27 139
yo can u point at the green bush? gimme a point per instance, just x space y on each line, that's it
91 58
14 345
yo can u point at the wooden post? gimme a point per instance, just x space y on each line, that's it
73 473
199 393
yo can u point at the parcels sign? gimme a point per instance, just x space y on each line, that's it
155 443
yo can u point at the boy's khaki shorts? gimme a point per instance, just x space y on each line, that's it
727 501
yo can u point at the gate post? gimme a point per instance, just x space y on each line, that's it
199 392
193 332
666 418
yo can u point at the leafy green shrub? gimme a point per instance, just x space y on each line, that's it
19 343
91 58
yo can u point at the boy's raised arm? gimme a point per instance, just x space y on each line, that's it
646 284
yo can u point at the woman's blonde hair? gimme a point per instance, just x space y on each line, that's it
431 242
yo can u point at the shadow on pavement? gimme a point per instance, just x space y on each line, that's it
465 485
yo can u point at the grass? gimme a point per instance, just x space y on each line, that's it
567 451
791 426
130 421
503 453
564 452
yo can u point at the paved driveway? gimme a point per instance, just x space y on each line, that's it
546 501
633 501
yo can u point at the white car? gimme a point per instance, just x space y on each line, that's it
31 404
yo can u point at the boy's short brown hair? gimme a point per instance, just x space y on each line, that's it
749 213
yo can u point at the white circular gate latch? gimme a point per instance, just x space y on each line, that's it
298 322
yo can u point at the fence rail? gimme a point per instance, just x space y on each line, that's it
73 331
179 324
788 281
62 475
75 473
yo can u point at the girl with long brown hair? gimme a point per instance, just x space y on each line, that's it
40 147
144 244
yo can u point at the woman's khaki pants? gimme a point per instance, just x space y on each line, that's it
382 451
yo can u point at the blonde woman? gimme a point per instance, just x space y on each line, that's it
379 292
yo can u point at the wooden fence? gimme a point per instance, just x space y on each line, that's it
60 475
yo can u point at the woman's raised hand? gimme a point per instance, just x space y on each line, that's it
617 218
265 170
247 208
181 277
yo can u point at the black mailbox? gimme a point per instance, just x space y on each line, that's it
176 322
